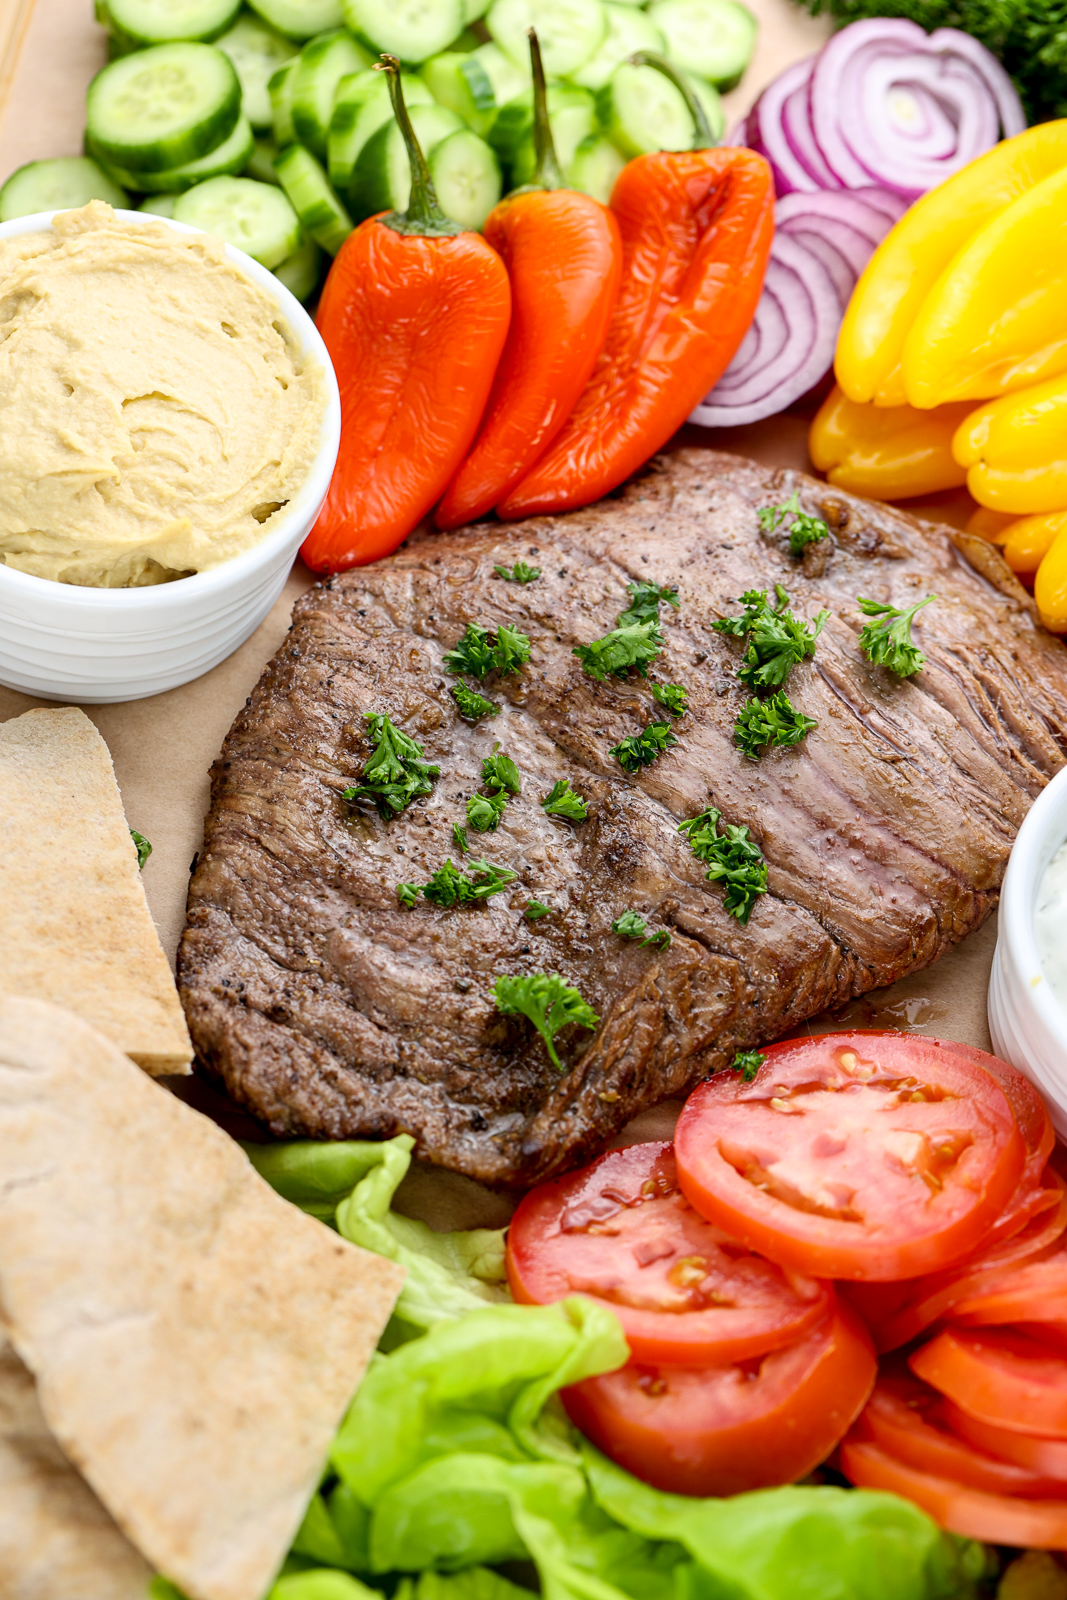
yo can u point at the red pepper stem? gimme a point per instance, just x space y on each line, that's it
703 138
423 216
547 172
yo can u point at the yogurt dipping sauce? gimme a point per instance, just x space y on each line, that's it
1050 926
155 410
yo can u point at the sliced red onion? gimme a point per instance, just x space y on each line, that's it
764 131
789 345
796 125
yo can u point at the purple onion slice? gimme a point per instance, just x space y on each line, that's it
765 133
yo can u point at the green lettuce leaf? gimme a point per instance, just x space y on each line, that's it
321 1584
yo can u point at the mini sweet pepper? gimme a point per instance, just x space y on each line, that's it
886 453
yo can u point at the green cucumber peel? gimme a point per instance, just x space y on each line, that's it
703 138
424 218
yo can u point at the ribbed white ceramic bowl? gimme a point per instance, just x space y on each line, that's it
64 642
1027 1022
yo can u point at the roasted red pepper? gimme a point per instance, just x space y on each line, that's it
563 253
414 313
696 231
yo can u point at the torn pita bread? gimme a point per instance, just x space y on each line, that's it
195 1338
74 922
56 1540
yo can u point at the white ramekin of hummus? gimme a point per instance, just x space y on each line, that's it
1027 1007
169 424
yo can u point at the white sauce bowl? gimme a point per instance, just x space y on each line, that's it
1026 1021
61 641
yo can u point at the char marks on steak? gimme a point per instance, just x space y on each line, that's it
331 1011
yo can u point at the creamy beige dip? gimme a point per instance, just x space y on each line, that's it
156 413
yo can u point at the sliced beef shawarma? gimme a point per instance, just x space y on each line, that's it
331 1010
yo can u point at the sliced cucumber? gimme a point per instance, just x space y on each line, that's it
300 271
712 38
280 93
160 205
473 9
382 177
254 217
569 108
230 156
300 19
414 30
60 184
260 164
628 30
506 78
569 31
461 83
165 21
466 175
595 167
572 114
641 111
710 99
361 108
163 107
256 52
322 65
322 216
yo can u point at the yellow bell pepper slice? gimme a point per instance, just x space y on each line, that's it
885 453
996 320
914 254
1025 543
1050 585
1015 450
989 525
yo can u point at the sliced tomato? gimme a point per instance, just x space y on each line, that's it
993 1518
904 1418
1039 1136
622 1232
999 1376
1036 1292
1038 1454
724 1430
868 1156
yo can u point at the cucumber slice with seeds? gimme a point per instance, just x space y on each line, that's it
571 111
300 19
642 111
595 167
473 10
322 65
261 162
256 52
413 30
230 156
572 116
163 107
507 79
466 175
280 93
569 31
61 184
160 205
300 271
628 30
361 108
382 177
460 82
322 216
254 217
712 38
165 21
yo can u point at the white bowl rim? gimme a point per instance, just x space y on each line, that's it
1030 856
312 491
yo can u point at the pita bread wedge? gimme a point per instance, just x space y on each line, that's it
74 922
56 1540
195 1338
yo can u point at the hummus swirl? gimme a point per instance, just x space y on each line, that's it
156 413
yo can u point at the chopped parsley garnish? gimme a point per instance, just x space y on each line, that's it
561 801
776 639
534 910
770 722
639 750
747 1063
395 775
804 529
632 925
452 885
484 811
142 846
645 601
673 697
500 776
500 772
481 651
471 704
519 573
888 642
459 836
548 1002
637 645
732 859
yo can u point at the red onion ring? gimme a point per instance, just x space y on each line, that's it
764 131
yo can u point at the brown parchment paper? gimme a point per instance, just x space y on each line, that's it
163 746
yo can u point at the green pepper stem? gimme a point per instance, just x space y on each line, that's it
547 171
424 216
703 138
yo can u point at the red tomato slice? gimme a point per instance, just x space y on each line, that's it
621 1232
1036 1292
1045 1456
998 1376
903 1417
1039 1136
870 1156
723 1430
993 1518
